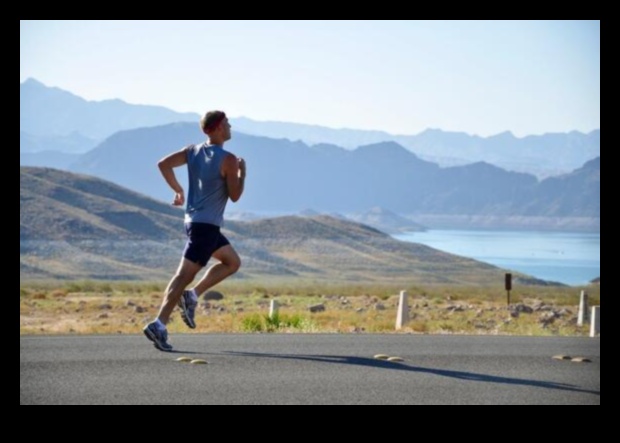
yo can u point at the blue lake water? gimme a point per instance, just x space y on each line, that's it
570 258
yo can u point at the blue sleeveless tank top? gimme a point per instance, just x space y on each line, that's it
207 195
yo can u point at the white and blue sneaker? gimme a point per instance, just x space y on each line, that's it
158 336
188 303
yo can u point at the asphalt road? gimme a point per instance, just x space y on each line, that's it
309 369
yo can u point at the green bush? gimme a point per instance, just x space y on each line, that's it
252 323
264 323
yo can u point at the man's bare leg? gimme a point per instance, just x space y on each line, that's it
184 276
229 264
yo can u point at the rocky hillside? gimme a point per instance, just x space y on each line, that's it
75 226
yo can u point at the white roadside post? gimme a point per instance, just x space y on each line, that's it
595 325
582 317
402 316
273 308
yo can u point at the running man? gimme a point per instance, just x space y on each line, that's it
215 175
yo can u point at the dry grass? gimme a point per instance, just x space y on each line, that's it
122 307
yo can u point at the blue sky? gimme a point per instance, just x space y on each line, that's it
479 77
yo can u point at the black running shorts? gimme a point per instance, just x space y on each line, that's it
203 240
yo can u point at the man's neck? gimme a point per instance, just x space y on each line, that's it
216 141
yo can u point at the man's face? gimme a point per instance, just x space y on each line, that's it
225 128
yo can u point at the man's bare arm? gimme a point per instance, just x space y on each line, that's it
233 170
166 166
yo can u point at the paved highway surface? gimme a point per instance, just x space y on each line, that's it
309 369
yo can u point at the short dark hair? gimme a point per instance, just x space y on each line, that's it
211 120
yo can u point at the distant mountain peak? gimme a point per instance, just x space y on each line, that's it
503 135
431 131
33 86
595 163
385 144
115 101
32 82
52 111
389 146
438 131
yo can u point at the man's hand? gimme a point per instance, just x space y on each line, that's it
179 198
241 163
166 166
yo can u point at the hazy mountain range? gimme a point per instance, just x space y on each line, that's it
286 176
541 155
290 176
76 226
49 115
52 119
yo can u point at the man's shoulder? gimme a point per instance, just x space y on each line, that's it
192 150
191 147
227 154
229 162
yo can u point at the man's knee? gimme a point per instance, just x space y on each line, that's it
229 258
234 264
